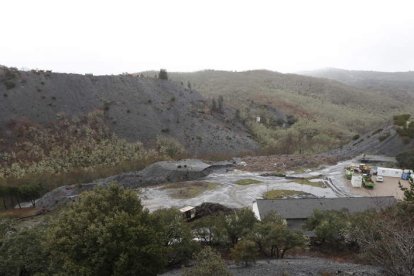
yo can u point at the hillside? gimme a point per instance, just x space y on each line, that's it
399 85
329 112
134 108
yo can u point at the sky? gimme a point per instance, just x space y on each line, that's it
112 37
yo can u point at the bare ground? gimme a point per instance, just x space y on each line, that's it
285 162
299 266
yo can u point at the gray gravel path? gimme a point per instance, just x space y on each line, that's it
303 266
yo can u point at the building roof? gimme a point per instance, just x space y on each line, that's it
186 209
302 208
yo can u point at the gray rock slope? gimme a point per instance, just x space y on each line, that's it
384 141
135 108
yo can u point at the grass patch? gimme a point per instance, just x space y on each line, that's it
247 181
191 189
305 181
278 194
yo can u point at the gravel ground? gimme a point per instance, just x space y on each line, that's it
299 266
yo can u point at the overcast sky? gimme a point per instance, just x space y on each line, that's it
111 37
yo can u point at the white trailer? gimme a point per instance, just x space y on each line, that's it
390 172
356 181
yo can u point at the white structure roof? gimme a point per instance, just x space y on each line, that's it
186 209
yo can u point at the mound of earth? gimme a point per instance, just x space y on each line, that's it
208 208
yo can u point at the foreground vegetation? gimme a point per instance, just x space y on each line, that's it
108 232
35 159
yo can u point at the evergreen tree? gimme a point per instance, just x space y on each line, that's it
163 75
106 232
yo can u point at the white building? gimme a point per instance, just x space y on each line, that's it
390 172
356 181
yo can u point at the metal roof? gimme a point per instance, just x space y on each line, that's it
186 209
302 208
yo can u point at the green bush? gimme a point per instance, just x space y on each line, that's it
245 252
170 147
106 232
208 262
9 84
401 120
406 159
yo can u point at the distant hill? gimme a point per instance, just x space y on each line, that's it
399 85
135 108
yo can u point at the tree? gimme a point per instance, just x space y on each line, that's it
22 253
406 159
210 230
106 232
274 238
163 75
189 85
244 252
409 193
30 192
213 105
237 115
239 224
387 239
220 102
208 263
330 227
176 236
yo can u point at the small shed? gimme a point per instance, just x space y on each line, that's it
188 212
390 172
356 180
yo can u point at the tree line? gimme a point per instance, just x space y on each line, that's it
12 195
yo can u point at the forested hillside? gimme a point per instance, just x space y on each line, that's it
328 112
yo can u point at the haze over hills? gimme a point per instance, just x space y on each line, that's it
399 84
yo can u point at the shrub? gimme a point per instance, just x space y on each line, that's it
170 147
9 84
406 159
355 137
384 136
401 120
329 227
244 252
208 262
